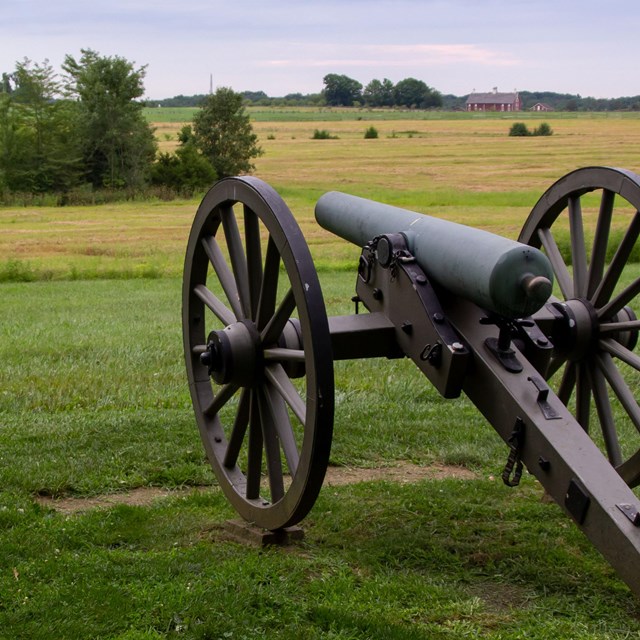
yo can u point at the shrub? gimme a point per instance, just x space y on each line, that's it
543 130
185 171
323 134
370 133
519 129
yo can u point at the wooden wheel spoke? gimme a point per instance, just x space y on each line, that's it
555 365
278 377
284 355
578 250
630 470
239 430
237 257
254 452
618 263
619 351
254 257
625 325
215 304
214 253
558 265
620 388
605 416
283 429
220 399
600 242
583 396
275 326
568 383
271 446
269 287
622 299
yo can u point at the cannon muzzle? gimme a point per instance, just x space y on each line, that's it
500 275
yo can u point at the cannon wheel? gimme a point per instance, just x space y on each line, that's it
258 352
595 329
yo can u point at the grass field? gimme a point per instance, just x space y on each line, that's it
94 404
469 171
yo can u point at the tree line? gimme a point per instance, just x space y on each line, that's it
340 90
84 131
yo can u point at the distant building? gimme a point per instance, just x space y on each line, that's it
541 106
493 101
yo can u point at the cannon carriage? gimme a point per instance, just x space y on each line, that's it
477 313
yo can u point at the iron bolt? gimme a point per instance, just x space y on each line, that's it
544 464
407 327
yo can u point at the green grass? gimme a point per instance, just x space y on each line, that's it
93 400
436 560
333 114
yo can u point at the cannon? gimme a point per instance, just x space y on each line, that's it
538 333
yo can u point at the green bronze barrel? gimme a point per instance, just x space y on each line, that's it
497 274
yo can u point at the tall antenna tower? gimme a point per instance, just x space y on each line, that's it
210 83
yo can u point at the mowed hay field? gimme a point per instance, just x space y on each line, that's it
467 170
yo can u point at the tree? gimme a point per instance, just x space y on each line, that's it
414 93
5 84
223 134
38 143
117 142
340 90
379 94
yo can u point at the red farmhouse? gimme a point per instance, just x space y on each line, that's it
493 102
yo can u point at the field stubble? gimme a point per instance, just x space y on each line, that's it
469 171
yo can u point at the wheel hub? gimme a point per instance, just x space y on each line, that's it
233 355
579 329
577 334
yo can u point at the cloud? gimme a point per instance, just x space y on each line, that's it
392 55
438 54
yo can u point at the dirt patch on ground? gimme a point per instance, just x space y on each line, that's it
142 496
404 473
498 597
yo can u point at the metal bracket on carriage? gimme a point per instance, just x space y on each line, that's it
391 282
522 333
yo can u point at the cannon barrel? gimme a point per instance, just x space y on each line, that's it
498 274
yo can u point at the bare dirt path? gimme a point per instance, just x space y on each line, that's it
404 473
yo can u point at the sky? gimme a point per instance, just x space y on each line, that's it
585 47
